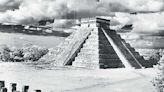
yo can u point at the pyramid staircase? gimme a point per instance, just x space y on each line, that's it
88 56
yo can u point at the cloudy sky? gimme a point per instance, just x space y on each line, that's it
29 11
150 23
20 11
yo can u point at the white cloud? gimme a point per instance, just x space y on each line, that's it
149 23
28 10
145 5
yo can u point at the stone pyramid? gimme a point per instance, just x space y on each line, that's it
96 47
104 48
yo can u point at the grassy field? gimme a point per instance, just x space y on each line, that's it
18 40
71 79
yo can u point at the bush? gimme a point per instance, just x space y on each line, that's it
159 80
4 53
30 53
155 57
34 53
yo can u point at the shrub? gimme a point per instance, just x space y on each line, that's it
159 80
30 53
34 53
155 57
4 53
16 55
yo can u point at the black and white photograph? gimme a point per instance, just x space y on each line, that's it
81 45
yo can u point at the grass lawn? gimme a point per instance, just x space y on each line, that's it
70 79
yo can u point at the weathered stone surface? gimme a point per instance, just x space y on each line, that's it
88 56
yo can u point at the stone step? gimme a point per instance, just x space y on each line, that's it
89 52
111 65
106 51
85 59
144 62
84 56
137 57
102 38
86 65
89 49
102 46
85 62
90 56
108 56
136 54
118 35
147 64
90 44
129 47
95 31
102 66
105 42
93 38
132 49
109 60
84 53
140 57
92 41
106 45
93 35
123 40
101 34
111 32
87 45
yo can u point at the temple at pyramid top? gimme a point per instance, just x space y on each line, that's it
99 47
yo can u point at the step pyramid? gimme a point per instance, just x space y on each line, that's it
104 48
96 46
